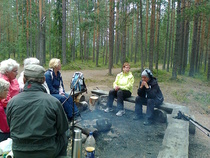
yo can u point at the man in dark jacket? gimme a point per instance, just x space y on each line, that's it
37 120
149 94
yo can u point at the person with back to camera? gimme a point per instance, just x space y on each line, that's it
9 71
149 94
4 128
55 84
36 119
30 61
123 87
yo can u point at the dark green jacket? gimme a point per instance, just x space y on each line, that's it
35 119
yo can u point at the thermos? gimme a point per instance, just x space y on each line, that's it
77 148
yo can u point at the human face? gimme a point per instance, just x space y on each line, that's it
12 74
126 69
145 78
4 94
59 66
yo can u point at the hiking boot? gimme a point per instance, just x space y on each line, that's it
120 112
148 122
137 117
108 109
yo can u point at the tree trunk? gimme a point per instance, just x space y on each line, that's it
131 58
80 31
177 42
170 38
137 34
172 45
152 31
98 35
166 41
142 43
208 50
63 32
194 42
111 34
41 33
117 44
124 32
198 46
186 40
181 53
157 33
27 28
202 38
146 29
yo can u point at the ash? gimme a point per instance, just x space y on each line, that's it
126 138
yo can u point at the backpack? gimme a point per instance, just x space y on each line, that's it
78 82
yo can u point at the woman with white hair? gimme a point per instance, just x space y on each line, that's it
27 61
4 128
55 83
9 71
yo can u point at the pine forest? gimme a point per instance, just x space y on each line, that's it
158 34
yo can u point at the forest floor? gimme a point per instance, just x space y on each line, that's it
190 92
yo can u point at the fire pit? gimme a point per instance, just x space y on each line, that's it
126 138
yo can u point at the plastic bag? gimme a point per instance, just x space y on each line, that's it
5 146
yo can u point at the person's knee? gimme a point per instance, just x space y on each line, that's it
111 92
150 102
119 93
138 99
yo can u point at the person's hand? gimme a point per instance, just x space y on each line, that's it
144 84
117 88
62 93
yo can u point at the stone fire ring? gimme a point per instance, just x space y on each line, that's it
176 139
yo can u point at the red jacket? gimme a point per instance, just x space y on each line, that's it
4 128
13 90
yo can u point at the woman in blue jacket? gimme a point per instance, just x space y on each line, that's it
55 84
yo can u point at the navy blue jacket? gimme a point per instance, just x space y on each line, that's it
54 82
153 92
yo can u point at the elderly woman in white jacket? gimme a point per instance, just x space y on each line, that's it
30 61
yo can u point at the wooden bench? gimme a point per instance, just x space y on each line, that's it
129 99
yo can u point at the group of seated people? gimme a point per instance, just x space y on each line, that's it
149 93
37 122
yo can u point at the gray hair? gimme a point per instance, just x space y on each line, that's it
31 60
4 85
8 65
39 80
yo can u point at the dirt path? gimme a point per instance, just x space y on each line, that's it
173 93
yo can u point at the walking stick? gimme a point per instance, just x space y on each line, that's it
72 91
203 129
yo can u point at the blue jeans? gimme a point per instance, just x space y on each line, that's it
68 105
151 104
120 95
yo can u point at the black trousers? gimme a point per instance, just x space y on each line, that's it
120 95
4 136
151 104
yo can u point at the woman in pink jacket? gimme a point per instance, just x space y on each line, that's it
9 71
4 128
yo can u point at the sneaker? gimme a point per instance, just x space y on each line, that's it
137 117
148 122
120 112
108 109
